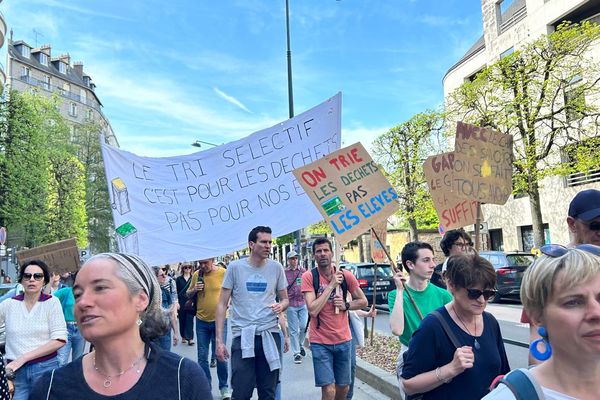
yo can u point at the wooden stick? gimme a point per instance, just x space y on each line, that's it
336 254
477 223
374 300
395 269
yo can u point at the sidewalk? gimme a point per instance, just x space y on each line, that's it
298 380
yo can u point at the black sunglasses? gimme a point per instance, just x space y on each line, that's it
474 294
38 276
594 226
558 250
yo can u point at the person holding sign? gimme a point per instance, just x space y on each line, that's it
417 259
457 351
296 312
330 337
252 284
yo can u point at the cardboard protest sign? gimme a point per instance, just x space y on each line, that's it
482 164
60 256
377 250
203 205
454 212
349 190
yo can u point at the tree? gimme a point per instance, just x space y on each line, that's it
401 151
97 201
537 94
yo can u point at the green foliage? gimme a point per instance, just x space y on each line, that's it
401 152
320 228
41 193
538 94
97 200
285 239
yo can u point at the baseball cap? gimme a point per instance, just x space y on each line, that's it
585 205
292 254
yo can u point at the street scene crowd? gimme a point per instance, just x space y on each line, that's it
451 348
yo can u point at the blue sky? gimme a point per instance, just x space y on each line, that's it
172 72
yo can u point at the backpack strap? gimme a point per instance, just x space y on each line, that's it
446 328
316 284
179 378
50 385
522 385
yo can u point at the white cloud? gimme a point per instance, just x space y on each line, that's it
231 99
362 134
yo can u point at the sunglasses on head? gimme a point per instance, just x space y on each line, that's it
38 276
474 294
558 250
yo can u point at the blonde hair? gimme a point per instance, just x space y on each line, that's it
538 282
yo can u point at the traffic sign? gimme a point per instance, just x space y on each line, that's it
2 235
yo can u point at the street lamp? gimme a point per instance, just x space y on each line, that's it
199 143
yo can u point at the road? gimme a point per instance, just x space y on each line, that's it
508 314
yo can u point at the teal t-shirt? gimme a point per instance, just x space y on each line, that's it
427 300
67 301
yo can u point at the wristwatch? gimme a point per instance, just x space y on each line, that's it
10 374
347 305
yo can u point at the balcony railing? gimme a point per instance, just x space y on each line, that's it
581 178
64 93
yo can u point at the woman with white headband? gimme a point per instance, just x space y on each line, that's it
117 307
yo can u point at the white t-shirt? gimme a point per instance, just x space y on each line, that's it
503 393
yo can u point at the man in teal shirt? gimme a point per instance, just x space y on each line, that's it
417 259
75 342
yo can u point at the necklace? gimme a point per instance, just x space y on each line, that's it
108 378
476 343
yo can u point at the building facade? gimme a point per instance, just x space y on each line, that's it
2 38
37 69
507 25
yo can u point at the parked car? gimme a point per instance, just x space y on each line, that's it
365 274
509 267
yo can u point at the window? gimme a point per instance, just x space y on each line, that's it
46 82
574 99
73 110
90 114
25 51
527 236
43 58
504 4
83 95
62 67
507 52
24 73
496 240
581 157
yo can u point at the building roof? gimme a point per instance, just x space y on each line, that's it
70 76
479 45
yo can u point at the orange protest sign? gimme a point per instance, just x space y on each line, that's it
349 190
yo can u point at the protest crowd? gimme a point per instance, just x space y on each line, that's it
132 315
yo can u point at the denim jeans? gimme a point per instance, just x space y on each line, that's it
164 342
75 345
331 363
205 333
297 318
28 374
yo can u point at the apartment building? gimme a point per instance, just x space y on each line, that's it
2 37
507 25
37 68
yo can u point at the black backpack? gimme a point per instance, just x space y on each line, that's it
315 277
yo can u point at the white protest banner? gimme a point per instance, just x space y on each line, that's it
204 204
454 212
482 164
349 190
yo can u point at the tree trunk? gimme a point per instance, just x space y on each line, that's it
536 215
412 230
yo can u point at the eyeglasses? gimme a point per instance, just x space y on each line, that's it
558 250
594 226
462 245
474 294
38 276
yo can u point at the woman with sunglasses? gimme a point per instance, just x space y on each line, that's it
186 318
561 293
457 350
118 310
35 329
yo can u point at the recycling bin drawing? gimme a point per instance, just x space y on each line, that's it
120 196
127 238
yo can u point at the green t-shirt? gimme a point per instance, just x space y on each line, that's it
67 301
427 300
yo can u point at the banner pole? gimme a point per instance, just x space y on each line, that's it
336 255
374 299
477 224
395 269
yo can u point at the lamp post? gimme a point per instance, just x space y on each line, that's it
199 143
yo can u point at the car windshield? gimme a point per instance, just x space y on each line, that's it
519 259
368 271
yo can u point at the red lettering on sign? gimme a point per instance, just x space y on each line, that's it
312 178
